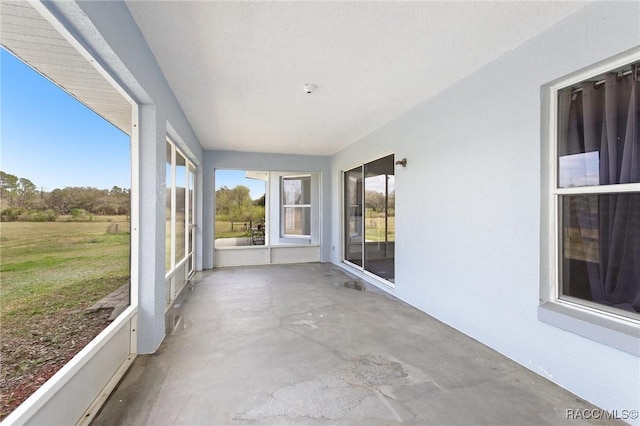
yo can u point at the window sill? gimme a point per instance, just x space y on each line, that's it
268 246
616 333
294 239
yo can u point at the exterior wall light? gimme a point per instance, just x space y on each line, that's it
401 163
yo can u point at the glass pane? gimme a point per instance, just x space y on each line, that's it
379 221
597 143
296 191
600 249
167 212
306 190
297 220
579 169
291 191
181 177
353 219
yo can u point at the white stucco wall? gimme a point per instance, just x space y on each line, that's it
468 205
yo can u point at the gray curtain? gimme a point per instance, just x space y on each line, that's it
606 119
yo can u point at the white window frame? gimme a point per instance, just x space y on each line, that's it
189 204
284 206
588 319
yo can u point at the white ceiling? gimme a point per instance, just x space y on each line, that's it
237 68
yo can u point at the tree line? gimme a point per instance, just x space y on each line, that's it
20 199
236 205
378 203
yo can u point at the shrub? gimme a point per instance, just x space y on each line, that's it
41 216
11 214
23 215
80 215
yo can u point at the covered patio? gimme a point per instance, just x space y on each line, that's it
426 277
311 344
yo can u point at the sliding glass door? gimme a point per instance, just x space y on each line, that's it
370 217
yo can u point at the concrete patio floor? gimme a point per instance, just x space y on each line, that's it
298 344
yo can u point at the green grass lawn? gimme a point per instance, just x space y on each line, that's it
374 229
50 265
223 229
50 272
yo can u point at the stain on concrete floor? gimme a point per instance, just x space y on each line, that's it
331 396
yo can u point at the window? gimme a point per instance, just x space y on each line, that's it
369 223
180 177
296 206
594 193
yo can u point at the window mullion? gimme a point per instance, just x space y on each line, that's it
603 189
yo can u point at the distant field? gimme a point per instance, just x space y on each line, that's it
50 273
39 260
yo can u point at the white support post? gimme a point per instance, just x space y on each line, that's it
151 322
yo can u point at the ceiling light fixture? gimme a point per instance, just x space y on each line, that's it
308 88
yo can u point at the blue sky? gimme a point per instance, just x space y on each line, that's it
52 139
231 178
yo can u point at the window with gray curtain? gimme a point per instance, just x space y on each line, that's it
598 196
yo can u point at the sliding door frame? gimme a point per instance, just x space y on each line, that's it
344 238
